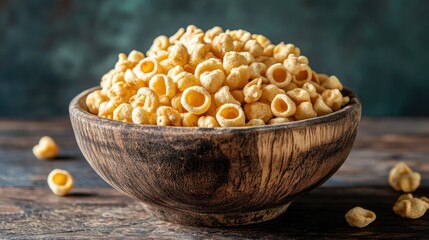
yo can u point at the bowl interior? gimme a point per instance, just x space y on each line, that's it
78 107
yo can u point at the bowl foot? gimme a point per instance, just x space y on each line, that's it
215 219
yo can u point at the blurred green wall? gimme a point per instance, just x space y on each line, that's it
51 50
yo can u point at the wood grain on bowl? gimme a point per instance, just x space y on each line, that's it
218 176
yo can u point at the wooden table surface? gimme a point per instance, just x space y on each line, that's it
94 210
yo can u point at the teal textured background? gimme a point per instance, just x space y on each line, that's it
52 50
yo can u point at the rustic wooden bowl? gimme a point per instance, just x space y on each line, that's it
218 176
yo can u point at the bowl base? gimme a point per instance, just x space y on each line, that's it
215 219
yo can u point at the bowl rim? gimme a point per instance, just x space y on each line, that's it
76 110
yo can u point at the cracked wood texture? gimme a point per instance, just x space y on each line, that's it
198 177
94 210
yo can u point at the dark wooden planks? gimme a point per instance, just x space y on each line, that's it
102 212
380 143
27 211
19 167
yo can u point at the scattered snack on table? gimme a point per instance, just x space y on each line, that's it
402 178
60 182
45 149
360 217
199 72
411 207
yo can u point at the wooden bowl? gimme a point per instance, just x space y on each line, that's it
217 176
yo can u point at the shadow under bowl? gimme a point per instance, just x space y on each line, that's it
216 176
